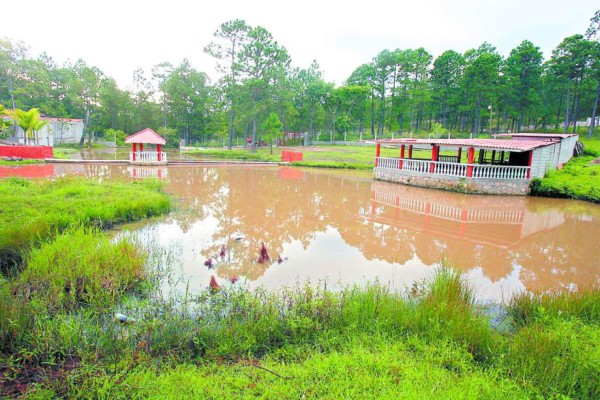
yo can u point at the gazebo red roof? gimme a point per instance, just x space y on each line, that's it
146 136
495 144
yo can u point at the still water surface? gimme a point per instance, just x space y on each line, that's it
344 228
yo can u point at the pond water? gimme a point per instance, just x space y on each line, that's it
343 228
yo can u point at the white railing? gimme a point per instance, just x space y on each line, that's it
500 172
455 169
415 165
390 163
147 156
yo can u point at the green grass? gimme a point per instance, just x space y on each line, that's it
98 273
22 162
349 157
32 211
361 342
579 179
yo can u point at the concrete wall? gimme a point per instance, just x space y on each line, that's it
567 146
551 157
463 185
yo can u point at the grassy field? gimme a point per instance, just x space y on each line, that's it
299 343
579 179
82 316
32 211
350 157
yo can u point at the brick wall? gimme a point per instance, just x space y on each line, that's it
32 152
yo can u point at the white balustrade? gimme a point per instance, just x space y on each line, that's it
147 156
455 169
500 172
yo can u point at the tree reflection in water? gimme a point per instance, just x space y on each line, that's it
345 227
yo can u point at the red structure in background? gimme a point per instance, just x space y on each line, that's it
30 152
146 136
291 156
28 171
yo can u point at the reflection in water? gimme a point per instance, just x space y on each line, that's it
148 172
345 228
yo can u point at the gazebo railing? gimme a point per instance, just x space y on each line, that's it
147 156
454 169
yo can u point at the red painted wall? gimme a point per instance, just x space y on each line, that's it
35 152
291 156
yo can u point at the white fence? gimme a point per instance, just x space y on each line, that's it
454 169
147 156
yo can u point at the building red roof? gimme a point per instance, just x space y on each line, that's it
146 136
494 144
538 135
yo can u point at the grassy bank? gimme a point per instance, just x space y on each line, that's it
32 211
305 342
579 179
17 163
345 157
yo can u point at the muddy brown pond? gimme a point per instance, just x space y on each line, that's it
343 228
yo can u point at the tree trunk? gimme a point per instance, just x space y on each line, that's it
373 116
231 120
567 109
593 121
253 134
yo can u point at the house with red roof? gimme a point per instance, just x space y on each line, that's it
148 156
490 166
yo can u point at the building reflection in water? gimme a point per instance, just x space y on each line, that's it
348 229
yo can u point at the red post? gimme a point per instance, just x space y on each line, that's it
141 146
435 152
471 161
410 151
459 154
401 157
377 154
133 150
529 164
159 152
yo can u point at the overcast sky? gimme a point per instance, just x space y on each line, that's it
120 36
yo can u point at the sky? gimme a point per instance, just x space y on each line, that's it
120 36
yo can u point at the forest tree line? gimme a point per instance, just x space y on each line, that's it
399 92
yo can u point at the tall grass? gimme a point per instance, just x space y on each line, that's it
82 267
32 211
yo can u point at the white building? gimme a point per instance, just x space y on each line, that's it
56 131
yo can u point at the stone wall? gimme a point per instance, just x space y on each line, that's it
463 185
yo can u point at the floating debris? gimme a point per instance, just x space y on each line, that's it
223 251
233 279
264 254
213 285
208 263
279 259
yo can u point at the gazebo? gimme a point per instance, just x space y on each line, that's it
146 136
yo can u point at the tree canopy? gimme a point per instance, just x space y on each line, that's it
399 92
